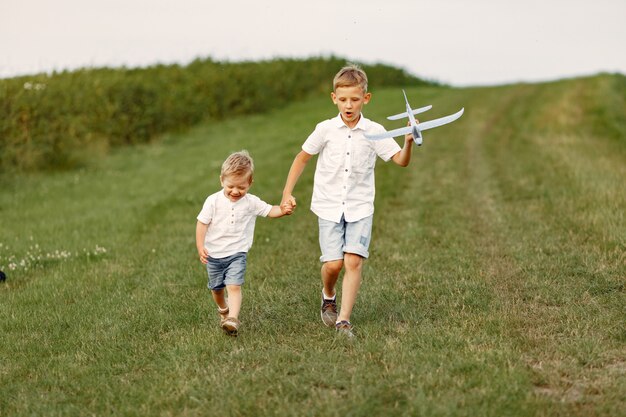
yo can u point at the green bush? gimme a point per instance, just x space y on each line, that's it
48 121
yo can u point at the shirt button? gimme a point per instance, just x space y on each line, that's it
348 153
346 170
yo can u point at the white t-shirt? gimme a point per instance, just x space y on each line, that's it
344 175
231 225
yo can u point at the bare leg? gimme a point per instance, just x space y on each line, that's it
351 284
234 300
220 300
330 274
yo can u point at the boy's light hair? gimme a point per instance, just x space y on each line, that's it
350 76
239 164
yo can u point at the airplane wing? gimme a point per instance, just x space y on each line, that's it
390 134
421 126
441 121
414 111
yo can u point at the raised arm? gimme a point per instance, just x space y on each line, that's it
403 158
297 167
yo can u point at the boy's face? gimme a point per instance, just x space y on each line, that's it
236 186
349 101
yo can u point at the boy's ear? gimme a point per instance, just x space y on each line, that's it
367 97
333 97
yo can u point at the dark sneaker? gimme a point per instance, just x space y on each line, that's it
230 326
344 328
329 311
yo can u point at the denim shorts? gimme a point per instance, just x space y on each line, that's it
344 237
226 271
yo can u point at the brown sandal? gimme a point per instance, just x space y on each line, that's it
231 325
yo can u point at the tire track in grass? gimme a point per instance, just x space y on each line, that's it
436 301
585 206
489 151
555 249
593 163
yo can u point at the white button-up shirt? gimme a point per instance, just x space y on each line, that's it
344 175
231 225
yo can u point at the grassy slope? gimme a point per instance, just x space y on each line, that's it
495 286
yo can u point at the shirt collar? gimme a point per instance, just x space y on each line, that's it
362 124
223 197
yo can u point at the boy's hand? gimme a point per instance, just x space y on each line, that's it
289 202
409 136
204 256
286 208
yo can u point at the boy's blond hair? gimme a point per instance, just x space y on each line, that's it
239 164
350 76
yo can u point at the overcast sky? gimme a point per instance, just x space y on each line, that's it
460 42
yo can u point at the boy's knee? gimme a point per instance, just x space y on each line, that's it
233 288
353 261
333 267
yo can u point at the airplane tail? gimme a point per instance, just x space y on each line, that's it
405 114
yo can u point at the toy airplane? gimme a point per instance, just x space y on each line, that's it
414 127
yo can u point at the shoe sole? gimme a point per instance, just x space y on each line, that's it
231 331
328 319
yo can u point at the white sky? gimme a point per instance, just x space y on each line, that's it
461 42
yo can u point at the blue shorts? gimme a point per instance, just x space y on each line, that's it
344 237
226 271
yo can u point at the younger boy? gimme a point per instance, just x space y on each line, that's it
343 190
224 234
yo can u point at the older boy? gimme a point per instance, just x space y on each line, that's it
224 233
343 190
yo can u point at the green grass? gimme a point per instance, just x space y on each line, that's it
495 287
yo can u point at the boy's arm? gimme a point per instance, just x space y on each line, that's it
403 158
201 230
280 211
297 167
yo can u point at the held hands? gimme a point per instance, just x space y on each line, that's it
288 205
286 209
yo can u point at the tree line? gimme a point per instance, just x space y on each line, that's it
47 121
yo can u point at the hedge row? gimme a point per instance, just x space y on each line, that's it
48 121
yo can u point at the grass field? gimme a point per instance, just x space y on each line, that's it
496 284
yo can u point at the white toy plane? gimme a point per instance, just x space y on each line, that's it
414 127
